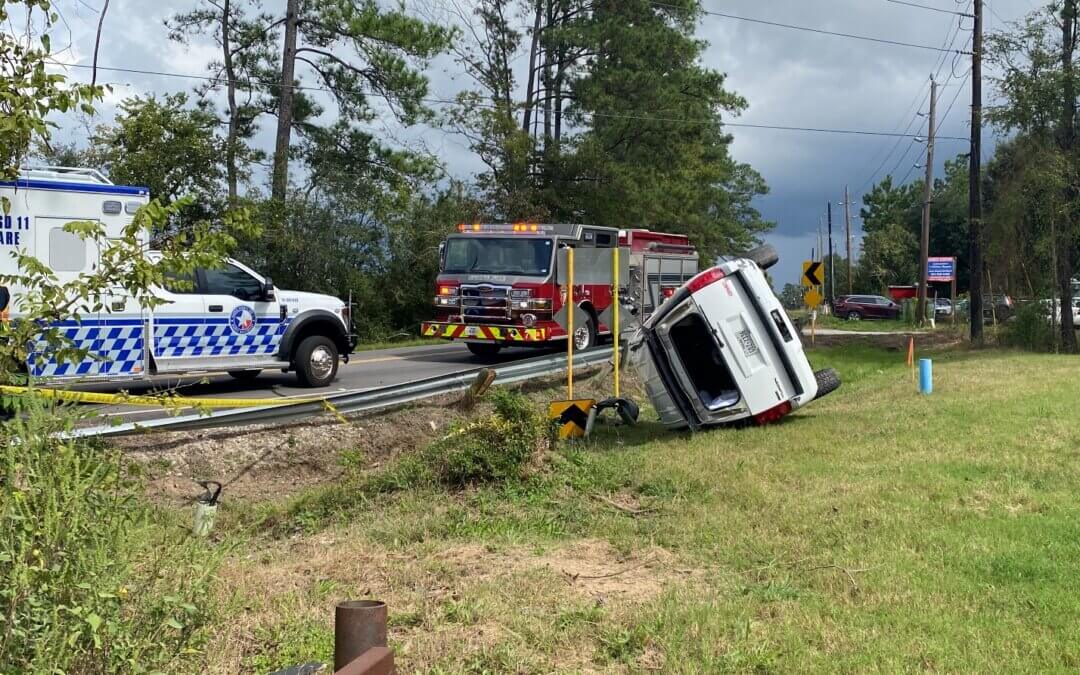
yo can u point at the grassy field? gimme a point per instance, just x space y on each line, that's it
875 530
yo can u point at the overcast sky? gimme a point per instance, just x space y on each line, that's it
789 77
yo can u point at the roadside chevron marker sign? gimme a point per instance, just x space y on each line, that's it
813 273
572 416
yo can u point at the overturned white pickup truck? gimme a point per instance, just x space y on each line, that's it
722 350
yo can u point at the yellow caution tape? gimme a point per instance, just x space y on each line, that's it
164 401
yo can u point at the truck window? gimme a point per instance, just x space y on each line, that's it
231 280
67 251
498 255
179 283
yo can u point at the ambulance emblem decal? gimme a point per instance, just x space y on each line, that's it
242 319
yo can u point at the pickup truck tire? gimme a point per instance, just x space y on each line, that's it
244 375
316 361
765 256
828 381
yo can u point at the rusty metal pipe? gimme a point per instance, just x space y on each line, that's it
359 625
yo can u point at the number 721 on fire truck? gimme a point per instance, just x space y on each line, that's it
503 285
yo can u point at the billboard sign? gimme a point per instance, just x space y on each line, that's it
941 269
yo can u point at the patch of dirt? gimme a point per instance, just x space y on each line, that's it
589 567
263 462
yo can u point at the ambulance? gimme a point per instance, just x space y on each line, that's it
225 318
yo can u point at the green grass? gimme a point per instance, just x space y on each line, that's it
874 530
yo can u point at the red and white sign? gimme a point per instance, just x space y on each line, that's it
940 269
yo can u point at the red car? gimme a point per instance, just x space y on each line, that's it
856 307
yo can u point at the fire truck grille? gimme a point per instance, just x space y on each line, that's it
484 302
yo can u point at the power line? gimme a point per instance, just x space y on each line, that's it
933 9
947 44
652 118
808 29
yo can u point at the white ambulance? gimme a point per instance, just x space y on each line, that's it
227 318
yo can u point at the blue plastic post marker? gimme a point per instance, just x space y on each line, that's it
926 376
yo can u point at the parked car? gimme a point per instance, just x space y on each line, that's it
721 350
999 307
856 307
1054 315
942 306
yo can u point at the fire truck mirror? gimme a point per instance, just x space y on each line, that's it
442 256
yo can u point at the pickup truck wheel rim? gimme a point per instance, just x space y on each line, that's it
322 362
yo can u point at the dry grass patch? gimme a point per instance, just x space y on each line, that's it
449 604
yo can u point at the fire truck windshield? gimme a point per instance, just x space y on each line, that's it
518 256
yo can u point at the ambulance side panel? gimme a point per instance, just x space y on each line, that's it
35 226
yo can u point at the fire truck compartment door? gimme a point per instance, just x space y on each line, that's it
592 266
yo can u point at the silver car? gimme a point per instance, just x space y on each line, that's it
722 350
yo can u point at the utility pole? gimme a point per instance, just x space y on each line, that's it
975 256
928 192
847 228
830 284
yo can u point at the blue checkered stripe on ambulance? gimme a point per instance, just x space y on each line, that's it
198 336
115 347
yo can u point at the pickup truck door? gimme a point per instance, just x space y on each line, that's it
177 325
243 326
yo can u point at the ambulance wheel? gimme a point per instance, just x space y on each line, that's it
316 361
585 335
244 375
483 350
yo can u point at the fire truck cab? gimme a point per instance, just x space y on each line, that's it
508 284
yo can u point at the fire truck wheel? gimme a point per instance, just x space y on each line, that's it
585 336
483 350
316 361
244 375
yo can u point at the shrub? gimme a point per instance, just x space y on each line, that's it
91 584
498 447
1029 329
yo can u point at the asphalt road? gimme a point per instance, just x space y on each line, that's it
365 370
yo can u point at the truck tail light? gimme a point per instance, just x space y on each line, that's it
709 276
772 414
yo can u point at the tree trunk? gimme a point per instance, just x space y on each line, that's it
560 69
533 48
280 182
550 20
1068 148
230 91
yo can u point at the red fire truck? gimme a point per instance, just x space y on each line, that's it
506 284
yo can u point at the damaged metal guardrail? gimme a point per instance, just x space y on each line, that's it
354 401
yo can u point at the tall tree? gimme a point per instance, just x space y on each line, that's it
357 49
245 43
1038 89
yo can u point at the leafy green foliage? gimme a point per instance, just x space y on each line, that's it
90 583
1030 329
28 92
496 448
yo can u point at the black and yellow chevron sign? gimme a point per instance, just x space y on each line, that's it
573 416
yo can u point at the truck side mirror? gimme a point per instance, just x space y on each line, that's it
268 289
442 253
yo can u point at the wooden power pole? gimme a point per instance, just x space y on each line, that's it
975 256
928 192
830 282
847 232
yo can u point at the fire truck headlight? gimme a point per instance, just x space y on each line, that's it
541 303
529 320
521 293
